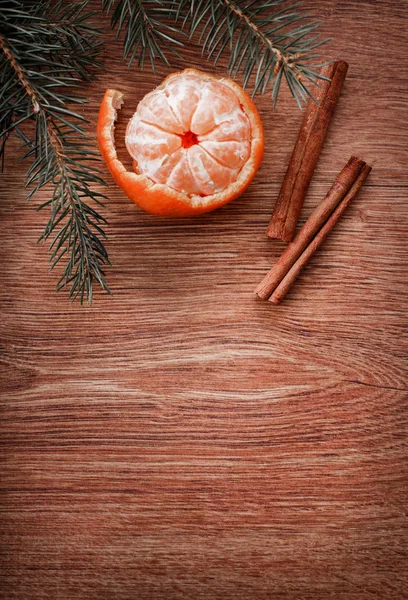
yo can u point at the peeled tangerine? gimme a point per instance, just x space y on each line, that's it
196 143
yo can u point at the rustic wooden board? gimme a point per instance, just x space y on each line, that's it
183 440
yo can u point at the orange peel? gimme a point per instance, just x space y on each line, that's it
177 169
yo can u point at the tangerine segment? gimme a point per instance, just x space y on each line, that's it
157 145
182 94
196 141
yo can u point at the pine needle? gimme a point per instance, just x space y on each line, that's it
148 29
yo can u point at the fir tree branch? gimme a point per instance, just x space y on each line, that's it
263 42
31 87
268 40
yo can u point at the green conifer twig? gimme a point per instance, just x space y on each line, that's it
268 41
45 51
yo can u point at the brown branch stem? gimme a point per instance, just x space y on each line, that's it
20 73
280 57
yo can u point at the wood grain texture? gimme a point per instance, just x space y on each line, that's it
183 440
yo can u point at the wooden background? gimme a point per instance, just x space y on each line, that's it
183 440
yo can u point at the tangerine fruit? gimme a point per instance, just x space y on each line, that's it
196 143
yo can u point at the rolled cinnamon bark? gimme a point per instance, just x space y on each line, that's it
289 279
313 131
339 189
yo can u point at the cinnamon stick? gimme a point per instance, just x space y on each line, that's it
289 279
337 192
313 131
